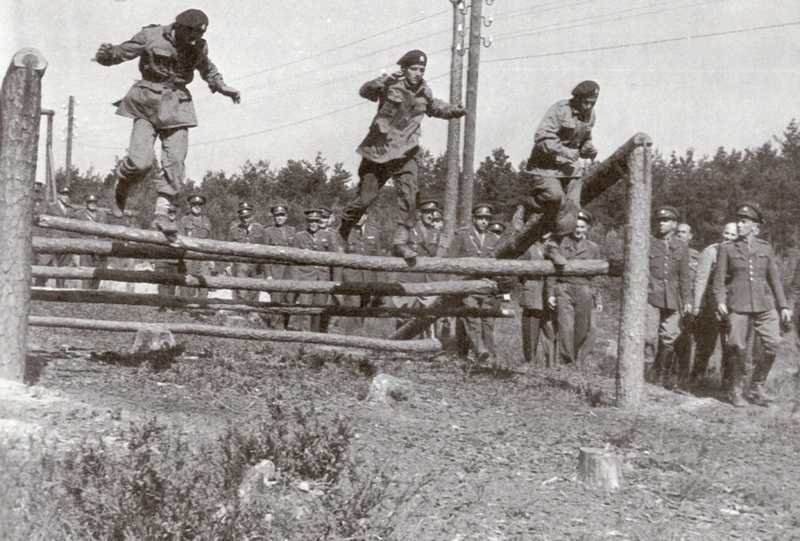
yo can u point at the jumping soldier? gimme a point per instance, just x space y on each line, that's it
389 150
477 241
747 288
160 104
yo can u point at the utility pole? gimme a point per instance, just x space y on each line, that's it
49 186
454 124
468 165
70 135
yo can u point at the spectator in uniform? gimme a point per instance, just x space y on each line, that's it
572 298
197 226
684 346
92 214
669 294
172 266
279 234
160 104
364 239
61 207
390 148
316 239
249 232
478 241
747 288
708 328
536 318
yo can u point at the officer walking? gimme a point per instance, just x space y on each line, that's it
160 104
478 241
389 150
197 226
747 288
249 232
669 293
279 234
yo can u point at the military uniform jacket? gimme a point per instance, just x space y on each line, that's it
669 285
561 132
56 209
396 128
253 234
279 236
362 241
467 242
533 289
161 96
321 241
746 278
198 227
426 242
583 249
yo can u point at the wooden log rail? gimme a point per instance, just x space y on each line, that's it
407 346
174 301
483 286
467 266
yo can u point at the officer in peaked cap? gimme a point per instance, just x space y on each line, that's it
246 231
750 210
429 205
196 199
585 216
64 190
279 210
313 215
667 213
245 205
413 57
91 213
279 234
483 209
498 228
91 198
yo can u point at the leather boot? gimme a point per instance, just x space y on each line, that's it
736 359
663 367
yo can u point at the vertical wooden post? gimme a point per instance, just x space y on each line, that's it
20 106
635 278
470 122
50 190
454 125
70 135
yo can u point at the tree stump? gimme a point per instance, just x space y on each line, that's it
600 468
152 339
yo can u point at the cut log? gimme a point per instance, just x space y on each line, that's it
152 338
464 266
83 296
408 346
600 468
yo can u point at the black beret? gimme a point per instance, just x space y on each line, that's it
586 89
193 18
750 210
667 212
413 57
482 209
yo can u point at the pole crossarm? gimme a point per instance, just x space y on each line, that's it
174 301
466 266
408 346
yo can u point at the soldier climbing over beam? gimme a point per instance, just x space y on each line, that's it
161 105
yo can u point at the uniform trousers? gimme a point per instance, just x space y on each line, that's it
141 153
573 319
479 330
558 198
246 270
663 327
535 326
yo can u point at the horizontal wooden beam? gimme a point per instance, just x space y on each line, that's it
188 303
408 346
383 289
465 266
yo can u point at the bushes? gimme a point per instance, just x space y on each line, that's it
150 482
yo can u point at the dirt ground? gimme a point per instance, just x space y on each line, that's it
494 450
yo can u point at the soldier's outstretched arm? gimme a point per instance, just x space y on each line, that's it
111 55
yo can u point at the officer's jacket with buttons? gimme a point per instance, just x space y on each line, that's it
426 242
746 278
558 141
669 285
467 242
252 234
161 96
362 241
279 236
533 289
197 227
396 128
321 241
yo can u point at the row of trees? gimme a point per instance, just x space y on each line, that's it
706 190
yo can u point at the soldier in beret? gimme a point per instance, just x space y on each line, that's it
477 241
197 226
389 150
316 239
91 213
160 104
669 294
572 298
279 234
249 232
563 137
747 288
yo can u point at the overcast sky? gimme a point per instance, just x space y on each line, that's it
300 63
